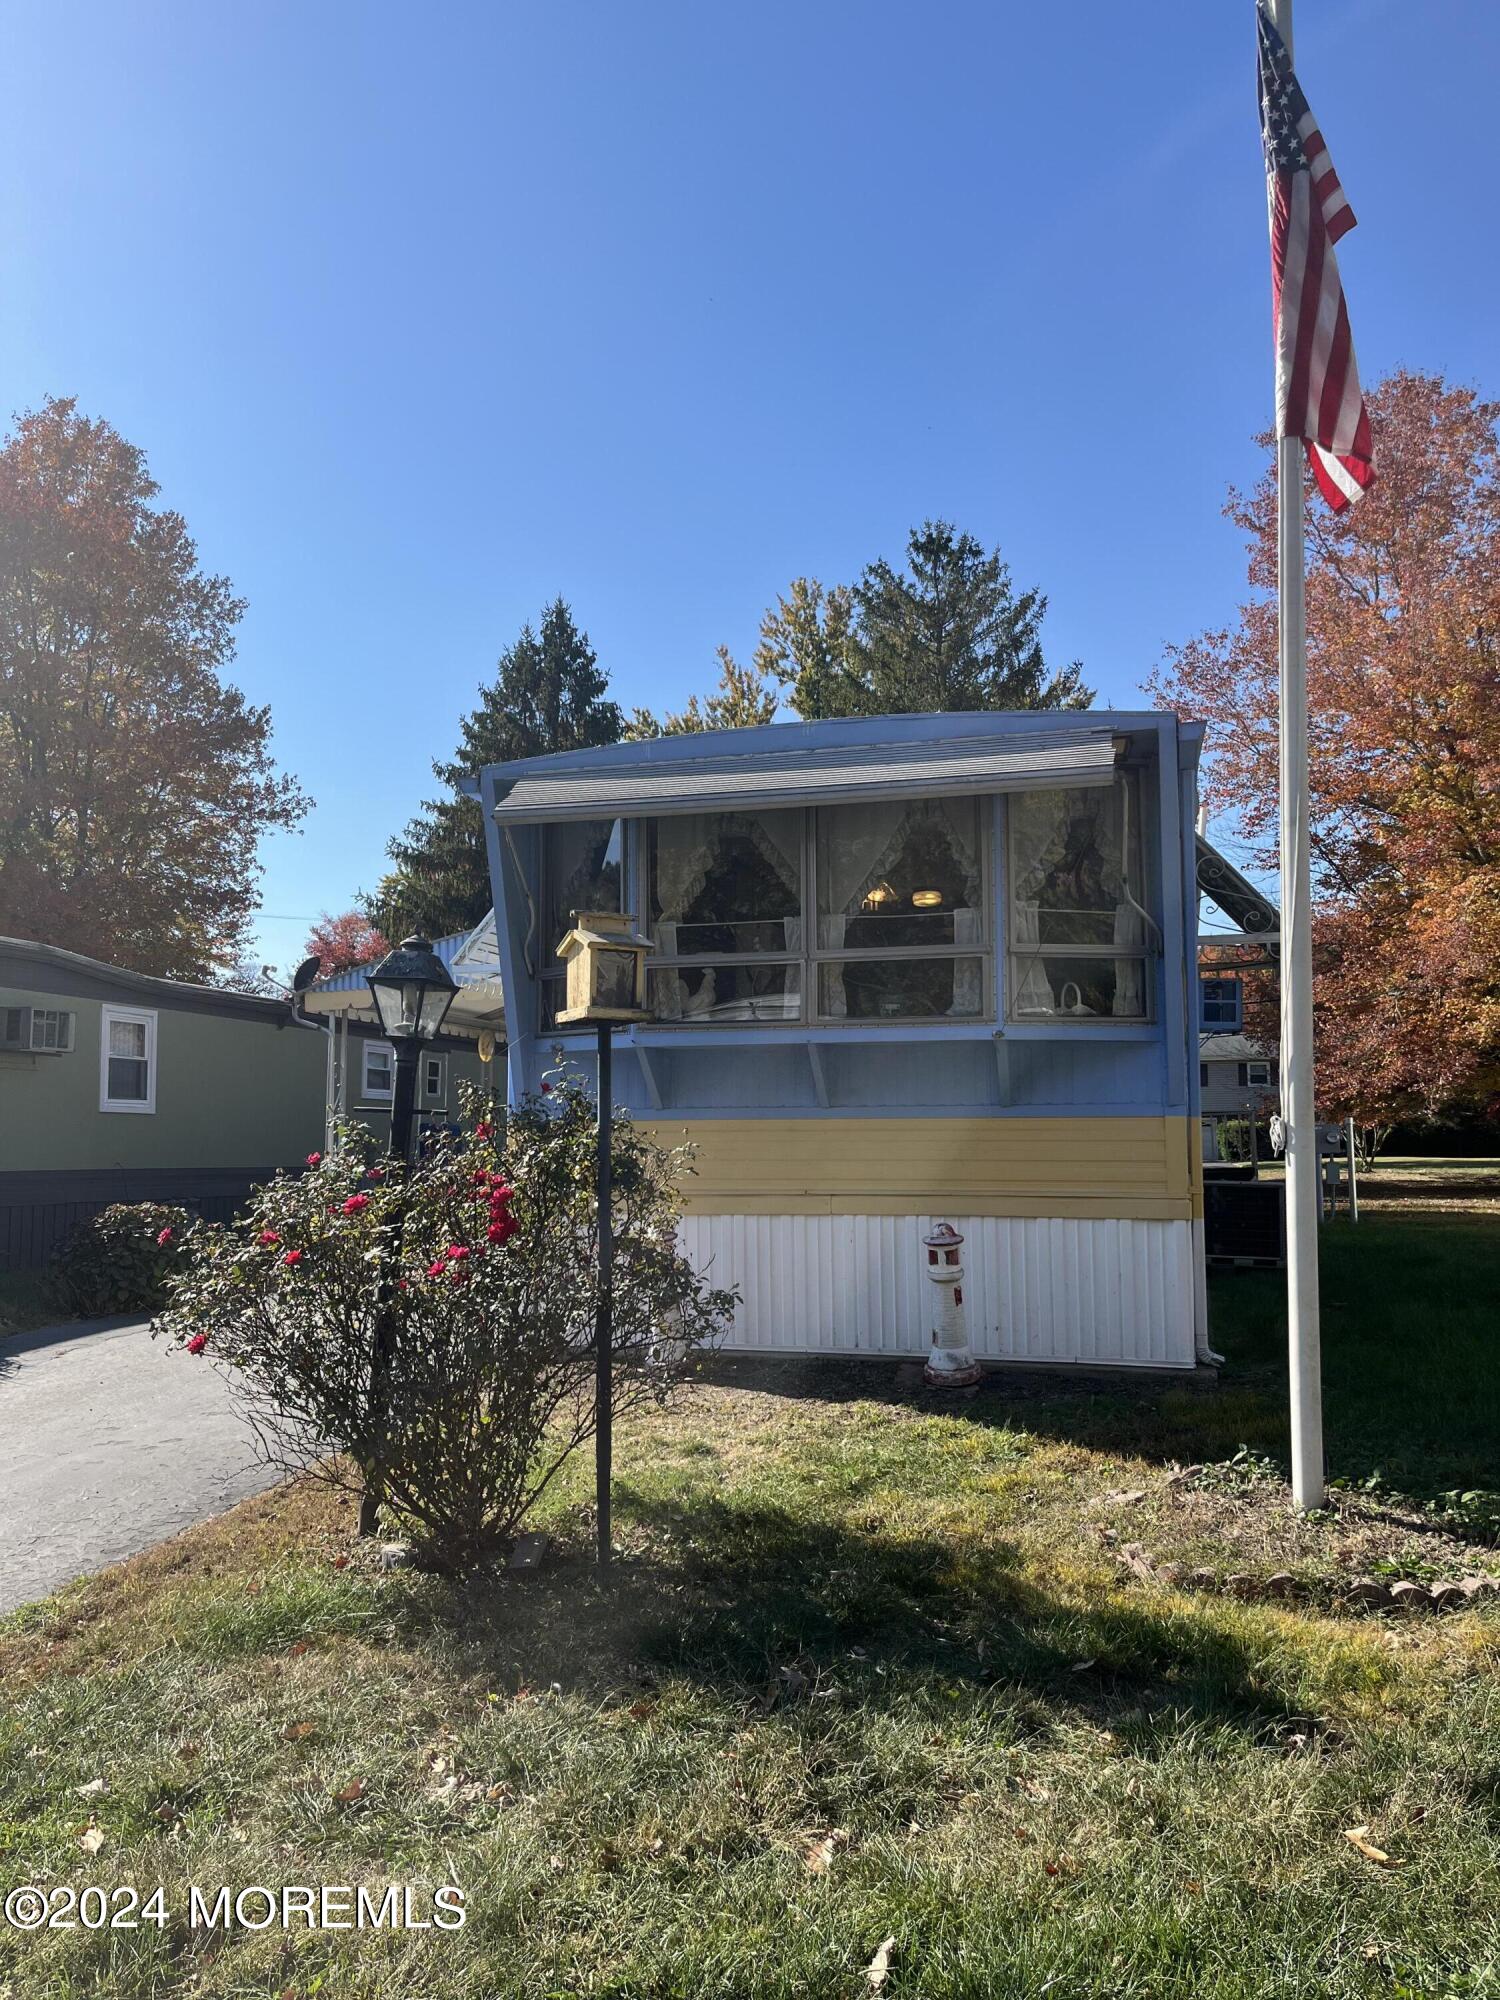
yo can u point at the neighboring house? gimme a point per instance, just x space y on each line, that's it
906 968
361 1069
1237 1079
119 1087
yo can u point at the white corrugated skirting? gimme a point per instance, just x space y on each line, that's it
1110 1294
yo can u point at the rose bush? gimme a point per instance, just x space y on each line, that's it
478 1268
119 1260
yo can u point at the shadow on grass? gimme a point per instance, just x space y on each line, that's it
769 1610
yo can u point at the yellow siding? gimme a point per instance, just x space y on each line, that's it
1132 1168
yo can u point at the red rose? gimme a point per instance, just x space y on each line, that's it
458 1251
197 1344
436 1268
375 1173
163 1239
457 1273
355 1203
268 1239
315 1159
292 1257
502 1229
546 1090
484 1129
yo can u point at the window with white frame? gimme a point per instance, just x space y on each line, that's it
724 903
902 908
1255 1075
1078 927
127 1059
434 1080
583 868
377 1082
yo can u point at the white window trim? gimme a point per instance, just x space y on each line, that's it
435 1099
147 1017
368 1094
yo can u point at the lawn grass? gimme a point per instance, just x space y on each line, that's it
869 1669
26 1302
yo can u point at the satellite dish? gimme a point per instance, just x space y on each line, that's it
305 974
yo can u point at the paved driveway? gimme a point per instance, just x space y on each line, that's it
109 1441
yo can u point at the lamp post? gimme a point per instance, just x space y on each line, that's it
413 991
606 964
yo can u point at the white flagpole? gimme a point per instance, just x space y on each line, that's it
1304 1362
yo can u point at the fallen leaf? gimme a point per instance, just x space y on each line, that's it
1358 1838
252 1590
167 1814
880 1965
1051 1868
355 1789
341 1562
1080 1666
817 1857
188 1749
297 1648
91 1839
295 1731
639 1710
92 1789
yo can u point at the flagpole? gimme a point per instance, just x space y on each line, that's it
1297 1110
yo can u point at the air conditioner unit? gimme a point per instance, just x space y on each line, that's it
36 1030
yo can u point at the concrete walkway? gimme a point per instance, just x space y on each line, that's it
109 1441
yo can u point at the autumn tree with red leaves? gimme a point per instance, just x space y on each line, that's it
1403 669
341 944
135 782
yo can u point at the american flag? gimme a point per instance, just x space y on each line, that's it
1317 384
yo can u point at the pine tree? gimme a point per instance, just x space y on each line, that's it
805 643
548 694
745 697
948 633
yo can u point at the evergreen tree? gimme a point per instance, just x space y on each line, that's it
744 697
548 694
806 644
948 633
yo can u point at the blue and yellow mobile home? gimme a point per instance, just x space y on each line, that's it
905 969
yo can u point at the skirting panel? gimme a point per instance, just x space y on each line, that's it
1102 1293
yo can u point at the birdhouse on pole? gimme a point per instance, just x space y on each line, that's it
606 969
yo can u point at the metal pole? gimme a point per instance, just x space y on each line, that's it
403 1121
1353 1175
1303 1199
604 1310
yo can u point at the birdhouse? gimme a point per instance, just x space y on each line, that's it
606 963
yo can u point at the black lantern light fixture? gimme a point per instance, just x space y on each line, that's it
413 991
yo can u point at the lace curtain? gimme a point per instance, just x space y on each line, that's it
1068 887
688 845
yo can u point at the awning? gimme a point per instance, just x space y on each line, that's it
765 778
1241 901
473 959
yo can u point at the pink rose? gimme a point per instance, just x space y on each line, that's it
436 1268
315 1159
458 1251
163 1239
197 1344
268 1239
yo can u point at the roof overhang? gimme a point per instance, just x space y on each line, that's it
765 779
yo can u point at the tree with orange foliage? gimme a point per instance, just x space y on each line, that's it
1403 640
340 944
135 782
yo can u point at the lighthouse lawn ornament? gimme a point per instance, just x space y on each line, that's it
950 1365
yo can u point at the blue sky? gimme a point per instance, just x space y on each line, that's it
426 314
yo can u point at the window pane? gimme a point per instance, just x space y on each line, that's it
583 869
900 874
727 993
726 882
377 1070
1078 986
128 1038
127 1079
893 989
1066 875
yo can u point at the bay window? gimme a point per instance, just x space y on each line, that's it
881 910
1078 929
